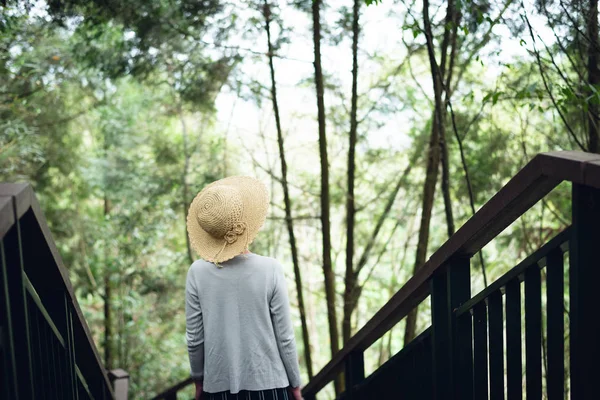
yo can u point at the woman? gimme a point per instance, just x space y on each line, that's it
239 332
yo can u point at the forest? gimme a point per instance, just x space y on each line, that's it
379 126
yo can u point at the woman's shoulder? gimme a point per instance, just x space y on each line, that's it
264 260
198 265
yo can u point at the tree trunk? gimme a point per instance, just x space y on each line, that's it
107 288
327 267
350 278
186 189
286 197
593 75
433 162
446 183
446 77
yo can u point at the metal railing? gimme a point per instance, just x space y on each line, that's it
462 355
46 349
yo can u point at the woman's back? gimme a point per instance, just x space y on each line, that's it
239 330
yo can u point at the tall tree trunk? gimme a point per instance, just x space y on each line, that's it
446 77
446 183
186 189
593 75
326 235
286 196
108 357
433 163
350 278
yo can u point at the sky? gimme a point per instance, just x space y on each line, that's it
381 34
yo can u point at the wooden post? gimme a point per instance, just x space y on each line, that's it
584 275
16 311
451 337
355 372
120 381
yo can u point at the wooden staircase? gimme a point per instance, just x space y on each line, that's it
46 349
474 348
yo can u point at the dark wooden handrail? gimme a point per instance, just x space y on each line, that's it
543 173
172 391
18 204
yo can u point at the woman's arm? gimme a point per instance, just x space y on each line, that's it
194 329
198 390
282 324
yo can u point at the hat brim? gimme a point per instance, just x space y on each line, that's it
255 200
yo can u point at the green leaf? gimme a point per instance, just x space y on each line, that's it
495 97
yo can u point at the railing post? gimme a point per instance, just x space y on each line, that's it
452 363
584 275
16 310
120 381
355 372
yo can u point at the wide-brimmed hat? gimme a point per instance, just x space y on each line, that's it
225 217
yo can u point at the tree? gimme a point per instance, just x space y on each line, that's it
350 278
325 221
286 195
433 160
593 76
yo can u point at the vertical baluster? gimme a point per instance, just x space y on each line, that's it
8 366
496 346
70 354
53 364
59 371
424 355
464 359
65 379
556 329
462 356
583 292
35 320
42 375
45 361
355 372
514 363
18 312
441 337
480 352
533 333
450 288
411 366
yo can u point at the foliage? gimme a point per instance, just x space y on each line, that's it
137 105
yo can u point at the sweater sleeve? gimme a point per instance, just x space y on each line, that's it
284 331
194 328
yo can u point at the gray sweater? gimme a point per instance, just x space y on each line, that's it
238 327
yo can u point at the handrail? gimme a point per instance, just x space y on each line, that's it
17 199
560 241
172 391
542 174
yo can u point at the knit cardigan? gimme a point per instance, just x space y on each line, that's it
238 327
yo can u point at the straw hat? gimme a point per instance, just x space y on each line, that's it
225 217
